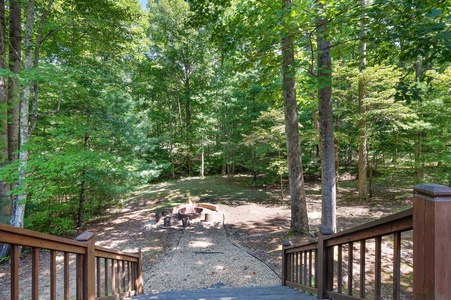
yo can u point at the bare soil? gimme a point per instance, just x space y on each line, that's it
260 228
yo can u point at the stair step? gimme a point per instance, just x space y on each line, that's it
245 293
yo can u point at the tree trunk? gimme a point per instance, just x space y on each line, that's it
299 217
171 133
328 178
419 168
82 198
363 155
5 200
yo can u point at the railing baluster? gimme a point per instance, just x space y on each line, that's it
124 287
340 269
297 266
316 268
305 267
98 277
66 276
378 267
129 275
15 272
113 276
35 274
362 268
52 274
310 268
396 266
350 266
118 276
79 278
106 276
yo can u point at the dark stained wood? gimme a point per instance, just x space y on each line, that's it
284 265
27 238
305 269
118 255
310 267
98 277
66 276
79 277
330 268
395 223
127 268
431 241
89 283
106 271
350 267
298 267
378 267
322 266
140 288
397 266
340 269
52 274
35 273
362 268
113 276
14 272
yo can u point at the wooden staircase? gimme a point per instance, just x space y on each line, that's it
278 292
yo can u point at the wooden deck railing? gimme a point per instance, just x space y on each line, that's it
100 273
320 267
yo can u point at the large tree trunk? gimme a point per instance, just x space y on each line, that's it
18 212
15 49
5 200
299 217
328 178
363 140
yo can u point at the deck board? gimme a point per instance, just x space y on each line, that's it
245 293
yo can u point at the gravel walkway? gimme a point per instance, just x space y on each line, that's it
204 258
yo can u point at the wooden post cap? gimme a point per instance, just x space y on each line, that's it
86 236
433 190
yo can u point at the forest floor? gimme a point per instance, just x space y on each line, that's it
255 219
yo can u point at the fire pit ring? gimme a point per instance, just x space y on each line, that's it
191 213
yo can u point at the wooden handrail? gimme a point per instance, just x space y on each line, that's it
321 271
428 220
121 275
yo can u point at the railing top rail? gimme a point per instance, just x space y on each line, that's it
115 254
29 238
398 222
374 225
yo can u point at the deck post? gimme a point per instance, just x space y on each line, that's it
431 242
324 263
139 279
89 263
284 262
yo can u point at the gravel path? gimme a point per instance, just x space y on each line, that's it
203 258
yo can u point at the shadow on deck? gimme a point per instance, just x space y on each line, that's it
244 293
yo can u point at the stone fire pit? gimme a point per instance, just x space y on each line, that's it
190 212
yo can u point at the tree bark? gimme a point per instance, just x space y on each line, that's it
18 212
15 49
363 140
419 168
328 178
5 200
299 217
82 198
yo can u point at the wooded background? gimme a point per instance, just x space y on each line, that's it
99 97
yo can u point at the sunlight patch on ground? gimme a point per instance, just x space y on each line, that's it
200 244
314 214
